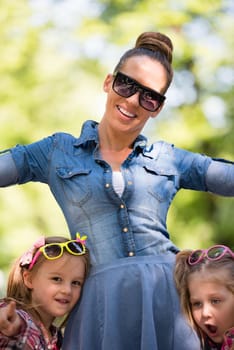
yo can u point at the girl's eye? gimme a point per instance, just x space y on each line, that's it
77 283
196 304
215 301
56 279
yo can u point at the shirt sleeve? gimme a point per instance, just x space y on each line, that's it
8 171
203 173
220 178
32 161
18 341
30 336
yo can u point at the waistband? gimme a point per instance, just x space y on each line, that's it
159 259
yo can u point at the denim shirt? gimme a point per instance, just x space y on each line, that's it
131 225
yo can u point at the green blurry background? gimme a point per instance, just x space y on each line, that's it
54 58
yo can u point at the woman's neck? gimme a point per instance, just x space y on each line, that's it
115 138
113 148
115 158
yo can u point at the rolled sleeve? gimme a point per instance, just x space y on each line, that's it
220 178
8 171
32 161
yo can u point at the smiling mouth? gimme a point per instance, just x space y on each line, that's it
62 301
126 113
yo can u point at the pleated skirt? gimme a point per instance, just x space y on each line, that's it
131 304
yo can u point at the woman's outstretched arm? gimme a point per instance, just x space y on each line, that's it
220 178
8 171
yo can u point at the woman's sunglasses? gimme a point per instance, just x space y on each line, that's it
213 253
54 251
125 86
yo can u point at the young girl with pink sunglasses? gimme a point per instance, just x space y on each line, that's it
44 284
205 283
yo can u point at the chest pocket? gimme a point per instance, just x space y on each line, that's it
75 184
162 182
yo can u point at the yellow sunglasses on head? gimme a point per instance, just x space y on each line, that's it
54 251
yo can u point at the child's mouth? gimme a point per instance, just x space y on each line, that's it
212 329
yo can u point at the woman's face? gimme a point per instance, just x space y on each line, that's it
126 114
212 303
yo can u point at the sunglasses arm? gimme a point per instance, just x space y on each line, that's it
38 253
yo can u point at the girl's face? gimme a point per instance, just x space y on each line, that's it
125 114
56 286
212 304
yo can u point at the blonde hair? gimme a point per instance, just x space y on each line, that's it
155 45
17 290
183 271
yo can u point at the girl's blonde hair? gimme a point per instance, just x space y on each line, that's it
183 271
17 290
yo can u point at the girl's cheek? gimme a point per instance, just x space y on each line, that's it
196 316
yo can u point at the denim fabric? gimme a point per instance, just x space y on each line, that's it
129 300
130 304
131 225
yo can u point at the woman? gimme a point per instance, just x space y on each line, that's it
113 187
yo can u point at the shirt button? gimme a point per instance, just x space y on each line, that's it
125 229
107 185
129 182
121 206
131 254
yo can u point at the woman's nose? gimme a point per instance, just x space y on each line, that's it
134 99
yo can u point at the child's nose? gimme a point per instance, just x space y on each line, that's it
66 288
206 310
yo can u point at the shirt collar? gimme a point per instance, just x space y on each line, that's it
89 132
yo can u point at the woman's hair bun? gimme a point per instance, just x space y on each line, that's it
156 41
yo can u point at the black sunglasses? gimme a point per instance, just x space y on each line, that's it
125 86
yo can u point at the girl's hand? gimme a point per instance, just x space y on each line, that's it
10 321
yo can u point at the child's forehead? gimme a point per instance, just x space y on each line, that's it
67 264
64 262
220 275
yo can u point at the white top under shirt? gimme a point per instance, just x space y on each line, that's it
118 182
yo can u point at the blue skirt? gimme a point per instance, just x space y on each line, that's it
130 304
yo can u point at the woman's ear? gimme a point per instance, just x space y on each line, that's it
107 82
27 278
